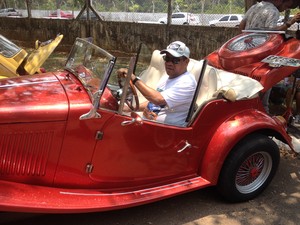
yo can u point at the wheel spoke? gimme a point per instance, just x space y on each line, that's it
253 172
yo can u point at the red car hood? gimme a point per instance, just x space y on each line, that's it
32 99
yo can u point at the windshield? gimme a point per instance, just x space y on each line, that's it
7 48
91 64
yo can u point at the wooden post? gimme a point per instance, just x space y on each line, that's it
88 8
169 11
28 6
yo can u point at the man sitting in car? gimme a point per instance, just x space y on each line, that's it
171 100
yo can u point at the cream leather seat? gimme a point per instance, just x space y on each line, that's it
209 81
215 82
153 73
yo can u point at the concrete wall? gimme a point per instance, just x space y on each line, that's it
121 37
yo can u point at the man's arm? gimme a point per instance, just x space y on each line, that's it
149 93
289 23
242 25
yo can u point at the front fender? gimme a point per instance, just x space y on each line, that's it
230 132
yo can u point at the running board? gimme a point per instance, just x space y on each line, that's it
18 197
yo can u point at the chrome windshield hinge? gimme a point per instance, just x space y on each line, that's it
99 135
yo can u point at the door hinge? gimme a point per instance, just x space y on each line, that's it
99 135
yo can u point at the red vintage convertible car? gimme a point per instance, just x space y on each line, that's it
67 146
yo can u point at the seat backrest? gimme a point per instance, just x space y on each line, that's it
153 73
195 67
209 81
209 85
155 70
207 90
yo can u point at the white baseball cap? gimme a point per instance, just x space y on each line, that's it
177 49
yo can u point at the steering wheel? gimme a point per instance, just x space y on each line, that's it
129 99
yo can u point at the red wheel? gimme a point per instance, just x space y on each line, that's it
248 48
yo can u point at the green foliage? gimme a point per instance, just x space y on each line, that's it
100 7
134 8
225 9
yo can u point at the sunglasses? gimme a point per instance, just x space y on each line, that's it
174 60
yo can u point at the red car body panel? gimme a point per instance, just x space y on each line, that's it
32 99
246 123
27 198
249 63
105 193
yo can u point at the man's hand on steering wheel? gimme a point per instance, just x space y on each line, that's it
122 73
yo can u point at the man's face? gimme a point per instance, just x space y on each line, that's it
175 66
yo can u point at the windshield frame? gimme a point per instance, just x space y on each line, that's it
91 64
7 48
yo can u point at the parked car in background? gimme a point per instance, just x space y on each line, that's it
63 15
10 12
227 21
181 18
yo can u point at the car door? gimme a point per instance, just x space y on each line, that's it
142 153
131 151
223 21
233 21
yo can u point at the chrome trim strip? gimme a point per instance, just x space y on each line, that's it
24 84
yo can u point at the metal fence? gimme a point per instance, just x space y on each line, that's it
136 10
148 6
204 12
